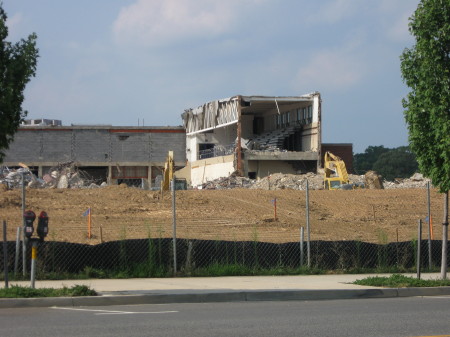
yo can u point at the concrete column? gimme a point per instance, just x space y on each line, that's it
149 177
109 178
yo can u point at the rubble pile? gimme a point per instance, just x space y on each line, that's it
373 181
356 179
232 181
13 178
65 175
416 181
279 181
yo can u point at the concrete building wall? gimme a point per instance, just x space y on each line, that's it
98 146
88 145
263 168
310 138
211 168
192 148
95 145
247 126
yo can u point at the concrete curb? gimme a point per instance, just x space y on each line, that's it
221 296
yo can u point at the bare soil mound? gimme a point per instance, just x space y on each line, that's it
235 214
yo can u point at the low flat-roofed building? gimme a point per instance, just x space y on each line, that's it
108 153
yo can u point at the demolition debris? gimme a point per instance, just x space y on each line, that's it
68 175
64 175
279 181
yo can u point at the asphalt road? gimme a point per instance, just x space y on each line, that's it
428 316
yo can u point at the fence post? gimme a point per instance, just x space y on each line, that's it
174 221
308 230
5 254
430 231
302 237
444 239
24 240
419 245
16 258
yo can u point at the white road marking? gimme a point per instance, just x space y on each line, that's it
114 312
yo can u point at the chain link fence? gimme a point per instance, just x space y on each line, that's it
148 249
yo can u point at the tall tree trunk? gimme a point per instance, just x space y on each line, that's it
444 238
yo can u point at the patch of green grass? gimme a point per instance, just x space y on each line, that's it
27 292
218 269
400 281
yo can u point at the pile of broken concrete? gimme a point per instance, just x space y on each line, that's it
65 175
416 181
280 181
232 181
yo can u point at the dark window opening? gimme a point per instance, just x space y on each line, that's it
258 125
205 150
131 182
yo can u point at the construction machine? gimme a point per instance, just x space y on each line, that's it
168 172
335 175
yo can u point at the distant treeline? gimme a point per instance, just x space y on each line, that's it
398 162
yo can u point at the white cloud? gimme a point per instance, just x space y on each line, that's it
396 16
154 22
334 11
336 69
398 31
14 22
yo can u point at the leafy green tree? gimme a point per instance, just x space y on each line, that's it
426 71
393 163
17 65
396 163
363 162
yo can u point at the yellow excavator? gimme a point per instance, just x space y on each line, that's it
336 176
168 172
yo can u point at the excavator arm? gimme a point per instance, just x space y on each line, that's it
335 174
168 172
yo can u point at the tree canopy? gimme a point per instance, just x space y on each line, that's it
425 69
17 65
396 163
393 163
364 162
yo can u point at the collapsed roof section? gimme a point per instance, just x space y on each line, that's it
221 113
254 135
211 115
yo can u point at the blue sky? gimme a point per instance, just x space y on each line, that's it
128 62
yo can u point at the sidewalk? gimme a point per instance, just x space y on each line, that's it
220 289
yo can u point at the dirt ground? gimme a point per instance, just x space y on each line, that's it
236 214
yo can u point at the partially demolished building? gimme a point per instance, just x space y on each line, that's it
113 154
253 136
